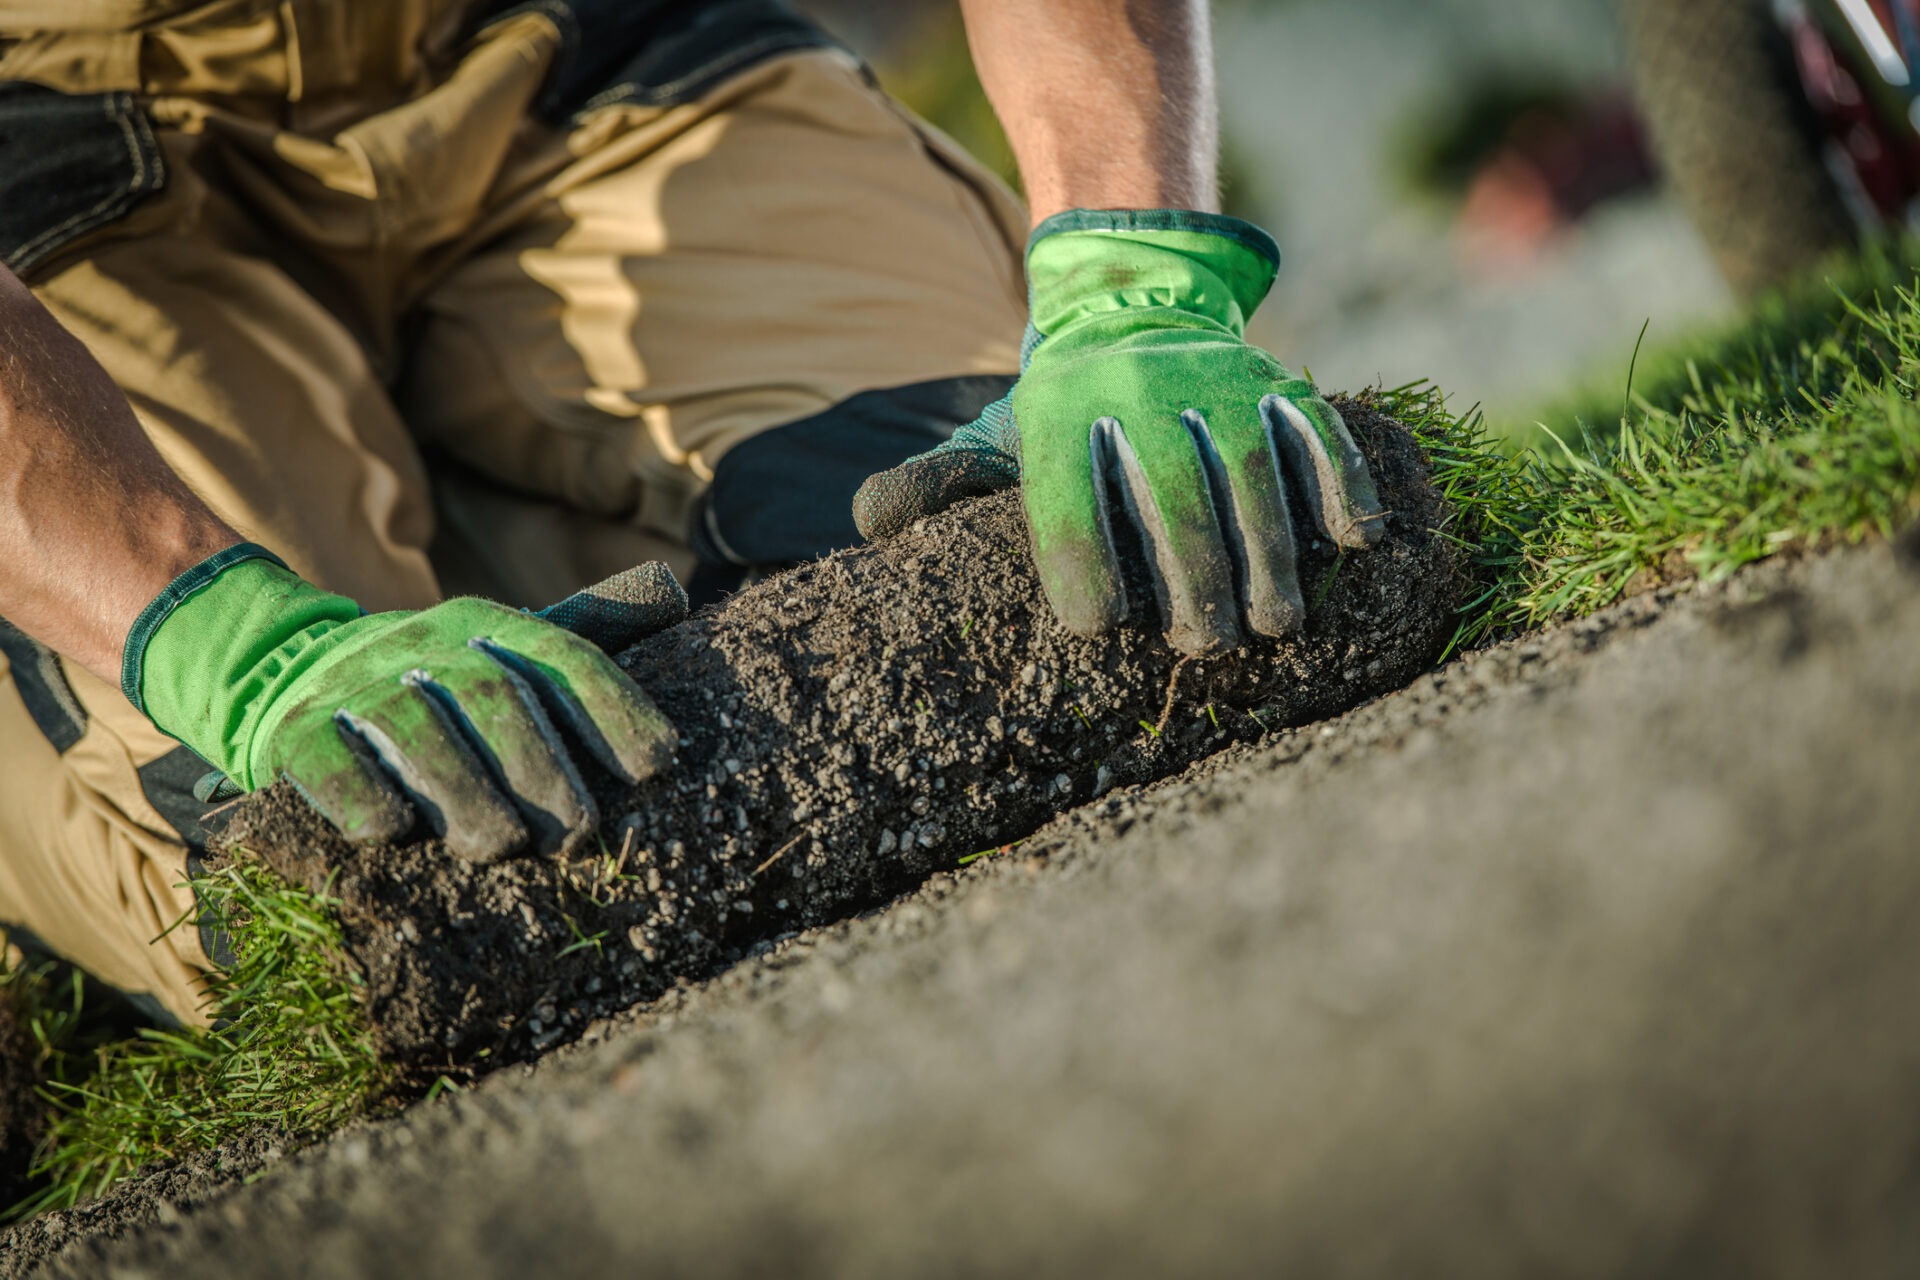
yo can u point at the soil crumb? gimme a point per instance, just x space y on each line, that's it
849 728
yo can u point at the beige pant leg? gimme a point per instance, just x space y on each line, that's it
260 400
683 279
88 866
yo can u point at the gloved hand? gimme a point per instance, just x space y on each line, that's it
1140 401
449 712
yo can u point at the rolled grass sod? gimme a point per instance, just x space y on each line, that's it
291 1056
848 728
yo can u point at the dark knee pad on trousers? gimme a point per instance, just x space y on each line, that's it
786 495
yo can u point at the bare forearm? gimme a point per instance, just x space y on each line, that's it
93 524
1109 104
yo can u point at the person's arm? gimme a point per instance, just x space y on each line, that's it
1140 402
453 714
1109 104
93 524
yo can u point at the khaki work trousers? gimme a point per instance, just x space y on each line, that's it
370 244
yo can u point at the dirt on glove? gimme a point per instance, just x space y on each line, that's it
848 728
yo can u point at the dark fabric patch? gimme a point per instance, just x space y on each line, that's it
786 495
659 52
69 164
43 686
169 787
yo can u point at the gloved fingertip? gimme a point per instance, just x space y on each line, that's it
624 609
1202 631
1193 643
217 788
650 585
1086 608
1276 609
927 485
483 845
1328 467
360 806
566 841
1366 529
385 827
642 746
650 761
877 511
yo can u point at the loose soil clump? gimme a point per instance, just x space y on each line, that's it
849 728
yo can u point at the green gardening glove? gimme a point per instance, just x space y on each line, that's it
1140 401
449 713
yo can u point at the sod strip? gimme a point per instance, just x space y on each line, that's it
848 728
293 1057
1742 449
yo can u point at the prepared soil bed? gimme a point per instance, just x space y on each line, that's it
849 728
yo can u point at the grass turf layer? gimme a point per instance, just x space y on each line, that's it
1796 429
292 1054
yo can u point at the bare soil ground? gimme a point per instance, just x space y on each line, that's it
1589 955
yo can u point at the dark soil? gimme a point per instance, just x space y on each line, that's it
161 1193
849 728
22 1112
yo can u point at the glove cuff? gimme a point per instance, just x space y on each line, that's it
133 655
1148 221
205 658
1184 268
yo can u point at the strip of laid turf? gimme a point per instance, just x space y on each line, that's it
1804 340
1796 429
293 1053
1736 448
